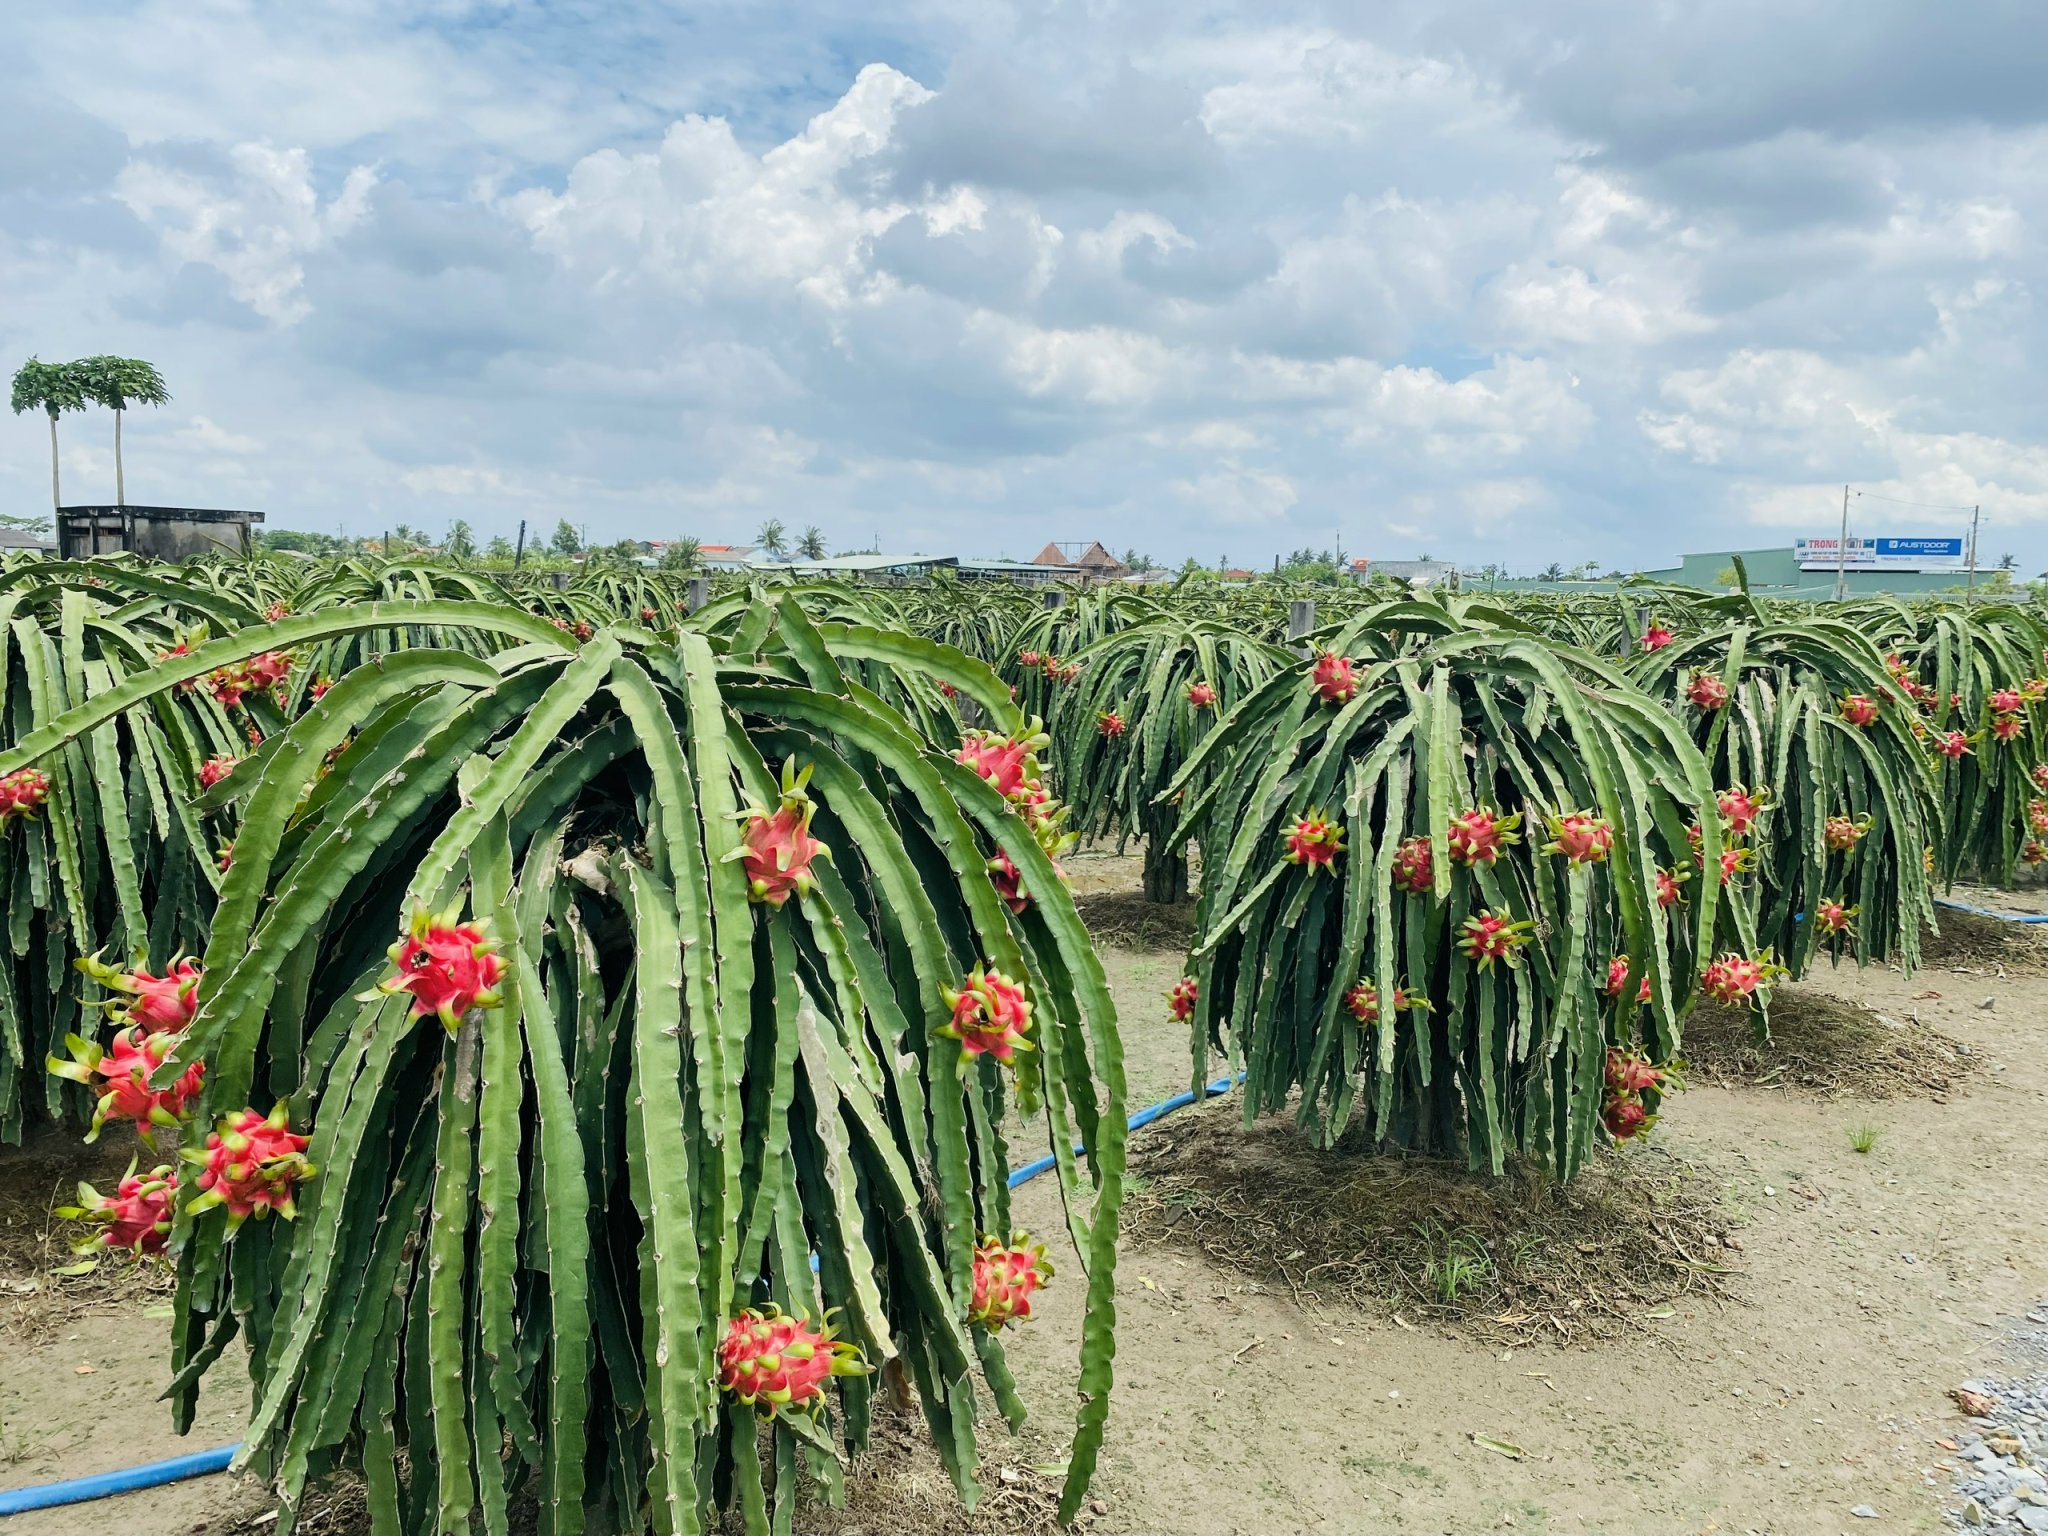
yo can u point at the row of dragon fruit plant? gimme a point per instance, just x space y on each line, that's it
603 1048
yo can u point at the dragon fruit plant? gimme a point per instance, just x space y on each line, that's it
1819 799
1166 684
605 1067
1389 837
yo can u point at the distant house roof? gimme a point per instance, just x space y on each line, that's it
1235 574
869 565
1094 560
1034 571
21 538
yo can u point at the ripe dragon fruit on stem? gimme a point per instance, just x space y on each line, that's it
991 1017
1110 724
1009 880
2039 774
1707 691
1006 1276
447 965
1736 979
1842 834
1831 917
1629 1076
2034 853
23 793
1581 837
1478 835
1656 637
1314 841
1740 809
776 1363
2006 701
216 768
1362 1001
1181 998
1487 937
1952 745
2037 815
776 848
156 1004
1415 866
120 1076
1617 980
135 1218
1201 696
1858 709
1010 763
251 1165
2008 728
1668 882
1334 678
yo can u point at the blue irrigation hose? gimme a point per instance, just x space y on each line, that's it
2003 917
82 1490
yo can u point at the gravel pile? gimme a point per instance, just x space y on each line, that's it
2001 1482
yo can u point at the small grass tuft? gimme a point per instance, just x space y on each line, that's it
1863 1137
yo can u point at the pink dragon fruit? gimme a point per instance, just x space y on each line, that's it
1842 834
776 849
1737 980
1487 937
1832 917
1581 837
1858 709
1181 998
216 768
1006 1276
1028 658
135 1219
157 1005
1334 678
1632 1072
277 611
2034 852
1479 835
1707 691
1735 861
1314 841
2008 728
251 1165
1625 1118
23 793
1656 637
2037 815
780 1364
1740 808
1617 980
1201 696
2006 701
1952 744
447 965
2039 775
1415 866
120 1076
1010 763
991 1016
319 689
1668 882
1110 724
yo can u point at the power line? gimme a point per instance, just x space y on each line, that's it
1930 506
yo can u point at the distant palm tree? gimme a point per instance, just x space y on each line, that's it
682 556
117 383
54 388
773 538
1552 572
461 540
812 545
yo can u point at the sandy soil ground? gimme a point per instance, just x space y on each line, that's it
1868 1285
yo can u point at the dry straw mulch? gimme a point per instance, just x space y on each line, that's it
1128 921
1976 945
1519 1257
1824 1046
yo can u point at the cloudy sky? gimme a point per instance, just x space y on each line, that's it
1466 277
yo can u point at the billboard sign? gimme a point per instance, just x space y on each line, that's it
1881 554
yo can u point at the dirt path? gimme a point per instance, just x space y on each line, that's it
1869 1284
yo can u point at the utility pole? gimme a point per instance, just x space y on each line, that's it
1842 551
1970 591
519 549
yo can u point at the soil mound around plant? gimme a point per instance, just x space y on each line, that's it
1518 1258
1826 1047
1974 944
1127 920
